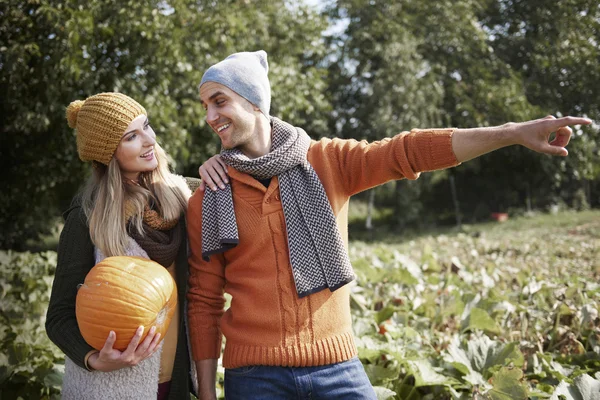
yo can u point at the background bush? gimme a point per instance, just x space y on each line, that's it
31 366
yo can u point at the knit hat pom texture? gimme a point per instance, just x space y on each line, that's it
73 112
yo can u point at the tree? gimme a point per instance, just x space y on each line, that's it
411 64
382 85
52 53
555 47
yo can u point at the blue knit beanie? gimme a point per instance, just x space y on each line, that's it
246 74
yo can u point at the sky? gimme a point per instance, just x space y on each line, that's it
317 3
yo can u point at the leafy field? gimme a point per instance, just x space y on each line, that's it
500 311
496 311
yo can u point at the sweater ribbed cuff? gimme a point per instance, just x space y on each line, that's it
205 344
438 143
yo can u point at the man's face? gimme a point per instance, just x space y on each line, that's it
231 116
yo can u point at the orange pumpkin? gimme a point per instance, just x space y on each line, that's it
122 293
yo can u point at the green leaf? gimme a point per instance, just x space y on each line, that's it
459 358
384 393
507 385
379 374
369 354
564 391
54 379
482 357
426 375
480 319
584 387
509 354
588 387
385 313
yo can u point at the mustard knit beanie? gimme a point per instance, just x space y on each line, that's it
100 122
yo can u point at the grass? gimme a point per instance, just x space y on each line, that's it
588 221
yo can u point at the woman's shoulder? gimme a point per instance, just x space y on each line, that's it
186 185
76 229
75 208
188 182
192 183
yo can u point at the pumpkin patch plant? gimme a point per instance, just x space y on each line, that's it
121 294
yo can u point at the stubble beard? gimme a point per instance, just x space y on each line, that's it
239 138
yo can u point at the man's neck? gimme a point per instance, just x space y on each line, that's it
261 143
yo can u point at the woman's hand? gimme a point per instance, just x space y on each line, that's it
109 359
213 173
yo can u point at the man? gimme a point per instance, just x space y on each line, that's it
275 239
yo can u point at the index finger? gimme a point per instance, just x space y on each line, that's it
222 171
110 342
135 340
220 161
565 121
207 179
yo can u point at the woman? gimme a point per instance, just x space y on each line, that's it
132 205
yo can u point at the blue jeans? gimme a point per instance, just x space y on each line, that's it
345 380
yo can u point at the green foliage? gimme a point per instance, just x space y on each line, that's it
534 281
30 365
559 67
584 387
480 320
405 64
500 311
363 70
508 385
52 53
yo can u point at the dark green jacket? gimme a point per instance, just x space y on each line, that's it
75 258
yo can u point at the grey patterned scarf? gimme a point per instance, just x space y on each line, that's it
317 253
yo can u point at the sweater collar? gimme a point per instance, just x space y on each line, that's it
250 181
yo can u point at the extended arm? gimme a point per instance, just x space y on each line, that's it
471 143
407 154
356 166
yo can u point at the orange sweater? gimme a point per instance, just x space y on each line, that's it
267 324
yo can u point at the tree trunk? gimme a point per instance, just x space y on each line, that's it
455 201
370 205
528 198
588 191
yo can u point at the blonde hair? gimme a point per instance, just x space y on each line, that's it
106 196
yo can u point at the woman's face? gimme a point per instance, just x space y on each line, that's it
135 153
